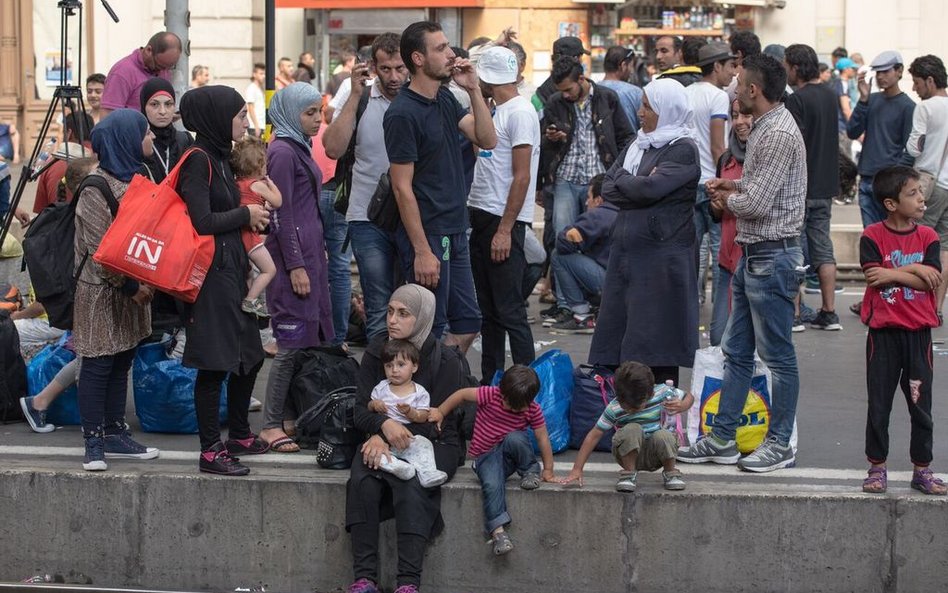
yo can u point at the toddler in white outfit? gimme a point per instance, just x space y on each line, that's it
407 402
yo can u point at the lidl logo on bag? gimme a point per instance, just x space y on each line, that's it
755 418
144 251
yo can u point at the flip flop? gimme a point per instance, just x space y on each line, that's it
280 445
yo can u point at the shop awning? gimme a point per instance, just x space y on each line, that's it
378 4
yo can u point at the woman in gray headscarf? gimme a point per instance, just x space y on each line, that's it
298 297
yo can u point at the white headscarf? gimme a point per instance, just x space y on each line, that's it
669 100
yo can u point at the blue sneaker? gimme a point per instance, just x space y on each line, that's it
36 418
123 446
94 460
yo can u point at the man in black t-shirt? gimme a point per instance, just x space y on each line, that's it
421 137
814 107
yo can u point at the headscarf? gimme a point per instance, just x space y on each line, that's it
285 109
421 302
156 86
736 146
209 112
117 140
668 99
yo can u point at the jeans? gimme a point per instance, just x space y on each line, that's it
577 276
705 224
499 288
764 286
721 308
569 201
207 397
278 388
335 229
513 454
375 256
871 210
103 387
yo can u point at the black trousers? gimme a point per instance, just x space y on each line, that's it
207 394
897 357
102 391
499 289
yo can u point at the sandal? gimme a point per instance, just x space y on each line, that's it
856 308
877 482
502 543
925 481
284 445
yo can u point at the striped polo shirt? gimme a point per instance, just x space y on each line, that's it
493 422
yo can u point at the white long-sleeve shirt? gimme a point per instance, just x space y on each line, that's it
931 122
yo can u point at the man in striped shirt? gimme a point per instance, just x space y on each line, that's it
768 202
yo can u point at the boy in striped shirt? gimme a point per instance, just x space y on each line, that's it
500 445
640 442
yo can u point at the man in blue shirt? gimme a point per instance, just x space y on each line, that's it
618 66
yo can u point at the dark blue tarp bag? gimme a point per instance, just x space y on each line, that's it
555 370
593 389
41 371
164 391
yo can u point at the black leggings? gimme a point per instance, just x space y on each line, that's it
207 395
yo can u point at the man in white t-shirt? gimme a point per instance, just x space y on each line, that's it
928 143
710 124
501 214
256 102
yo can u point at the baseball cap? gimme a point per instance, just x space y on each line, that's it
843 63
569 46
886 61
497 65
714 52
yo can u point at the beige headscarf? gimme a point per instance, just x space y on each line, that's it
421 302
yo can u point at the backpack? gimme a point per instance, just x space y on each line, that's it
317 372
467 411
332 420
12 372
343 176
49 253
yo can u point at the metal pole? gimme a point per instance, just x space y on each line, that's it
178 21
269 43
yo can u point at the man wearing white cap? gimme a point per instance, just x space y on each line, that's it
501 215
886 120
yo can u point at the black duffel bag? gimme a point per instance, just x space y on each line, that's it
316 372
329 423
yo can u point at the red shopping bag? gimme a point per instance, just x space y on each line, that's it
153 241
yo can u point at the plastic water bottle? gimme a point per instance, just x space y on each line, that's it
44 156
671 394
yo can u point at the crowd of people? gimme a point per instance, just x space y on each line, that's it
428 160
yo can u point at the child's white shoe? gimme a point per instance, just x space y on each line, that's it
398 468
431 478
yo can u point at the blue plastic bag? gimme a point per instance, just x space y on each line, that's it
555 370
41 371
164 392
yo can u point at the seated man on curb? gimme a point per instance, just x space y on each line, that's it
579 262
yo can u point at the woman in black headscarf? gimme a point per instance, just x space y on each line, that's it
157 99
222 338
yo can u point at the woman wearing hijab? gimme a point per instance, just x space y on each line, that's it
298 297
222 338
730 166
157 99
111 313
374 496
651 272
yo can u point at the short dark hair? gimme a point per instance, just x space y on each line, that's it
386 43
259 66
767 73
803 57
518 51
595 185
460 52
615 57
566 67
840 52
745 42
97 77
519 386
634 383
303 55
478 41
162 42
887 184
676 41
689 50
709 68
823 66
929 65
78 124
413 39
395 348
76 171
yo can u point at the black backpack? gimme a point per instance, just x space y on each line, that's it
317 372
331 422
467 411
12 372
343 176
49 253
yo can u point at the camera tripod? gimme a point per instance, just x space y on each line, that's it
66 98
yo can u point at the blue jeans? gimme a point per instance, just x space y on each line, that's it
721 308
705 224
335 228
762 292
513 454
375 256
569 201
577 276
103 386
871 210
